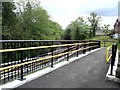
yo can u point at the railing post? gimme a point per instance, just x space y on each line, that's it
99 44
84 45
52 55
95 45
68 53
89 45
113 59
21 58
77 49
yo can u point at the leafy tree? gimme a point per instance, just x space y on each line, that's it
76 30
67 34
106 29
55 30
35 23
94 20
8 19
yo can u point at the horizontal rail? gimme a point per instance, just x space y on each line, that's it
45 40
22 57
31 48
25 63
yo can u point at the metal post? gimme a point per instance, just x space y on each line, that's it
68 53
99 44
52 57
113 59
84 48
89 45
77 49
21 58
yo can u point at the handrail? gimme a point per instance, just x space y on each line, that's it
24 57
107 54
18 65
45 40
30 48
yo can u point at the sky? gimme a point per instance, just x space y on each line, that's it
65 11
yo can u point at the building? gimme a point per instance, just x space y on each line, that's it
99 33
117 27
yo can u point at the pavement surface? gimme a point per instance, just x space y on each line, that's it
87 72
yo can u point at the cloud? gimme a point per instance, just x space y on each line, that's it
65 11
113 11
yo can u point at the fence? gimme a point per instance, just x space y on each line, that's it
107 43
22 57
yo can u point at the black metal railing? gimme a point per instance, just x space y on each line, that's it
114 50
22 57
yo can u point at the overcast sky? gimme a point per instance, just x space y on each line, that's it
65 11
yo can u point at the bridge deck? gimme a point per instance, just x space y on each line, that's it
88 72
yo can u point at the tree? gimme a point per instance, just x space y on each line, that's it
94 20
55 30
67 35
106 29
36 23
9 19
76 30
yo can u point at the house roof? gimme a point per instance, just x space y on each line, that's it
116 23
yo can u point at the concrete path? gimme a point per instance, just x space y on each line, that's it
87 72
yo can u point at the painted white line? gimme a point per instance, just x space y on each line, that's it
17 83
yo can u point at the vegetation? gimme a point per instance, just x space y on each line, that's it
80 29
28 21
105 40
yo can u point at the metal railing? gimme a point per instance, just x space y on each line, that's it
114 50
22 57
107 43
108 53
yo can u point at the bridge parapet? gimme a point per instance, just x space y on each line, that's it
22 57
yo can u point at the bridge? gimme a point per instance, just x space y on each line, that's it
55 64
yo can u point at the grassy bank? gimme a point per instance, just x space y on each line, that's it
105 40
